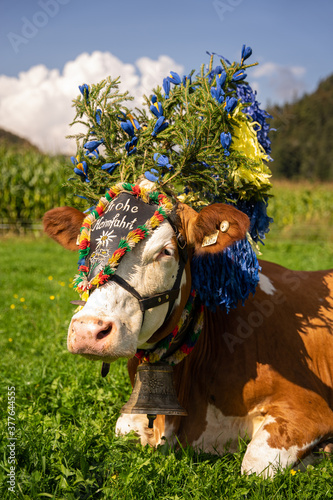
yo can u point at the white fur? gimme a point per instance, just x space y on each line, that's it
222 432
265 460
146 271
138 424
266 285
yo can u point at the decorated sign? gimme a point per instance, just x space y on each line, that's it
124 214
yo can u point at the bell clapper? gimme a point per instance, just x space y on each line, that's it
151 419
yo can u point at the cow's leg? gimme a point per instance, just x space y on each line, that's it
277 444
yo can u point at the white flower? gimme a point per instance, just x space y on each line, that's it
105 237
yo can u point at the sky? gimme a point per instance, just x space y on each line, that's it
49 47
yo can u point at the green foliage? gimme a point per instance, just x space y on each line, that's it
194 120
302 144
30 184
295 204
66 412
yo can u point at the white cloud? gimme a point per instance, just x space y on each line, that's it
37 104
285 82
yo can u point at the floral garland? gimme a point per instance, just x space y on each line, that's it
81 283
158 353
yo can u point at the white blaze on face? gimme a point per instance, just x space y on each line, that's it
110 325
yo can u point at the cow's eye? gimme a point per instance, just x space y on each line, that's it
166 252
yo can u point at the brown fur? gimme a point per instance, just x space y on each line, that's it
198 225
278 363
63 224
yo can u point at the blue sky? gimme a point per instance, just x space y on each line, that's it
292 41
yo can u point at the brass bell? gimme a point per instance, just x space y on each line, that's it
154 393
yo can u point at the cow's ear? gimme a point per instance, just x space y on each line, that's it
63 224
214 228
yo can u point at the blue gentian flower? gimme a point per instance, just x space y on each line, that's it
110 167
128 127
122 118
81 169
92 145
174 78
98 116
260 116
84 89
151 175
156 107
162 161
93 154
185 78
217 93
166 88
221 78
218 55
246 53
160 125
225 139
131 146
239 75
135 123
230 104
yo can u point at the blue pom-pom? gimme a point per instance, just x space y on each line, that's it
225 278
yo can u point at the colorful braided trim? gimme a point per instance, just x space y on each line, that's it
156 354
81 283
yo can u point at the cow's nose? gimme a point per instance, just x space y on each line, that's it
90 335
93 328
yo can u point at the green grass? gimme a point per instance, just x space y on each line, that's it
66 412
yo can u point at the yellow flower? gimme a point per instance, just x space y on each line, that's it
22 299
12 306
293 472
10 340
52 297
61 283
50 278
15 296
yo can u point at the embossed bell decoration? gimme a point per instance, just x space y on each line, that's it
154 393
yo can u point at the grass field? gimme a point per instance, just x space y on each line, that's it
65 412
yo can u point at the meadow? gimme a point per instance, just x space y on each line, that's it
65 412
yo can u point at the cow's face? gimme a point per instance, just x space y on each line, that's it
111 324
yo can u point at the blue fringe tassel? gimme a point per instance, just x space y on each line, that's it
225 278
259 220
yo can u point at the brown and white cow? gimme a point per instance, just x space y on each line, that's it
262 371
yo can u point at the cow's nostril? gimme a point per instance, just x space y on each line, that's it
104 333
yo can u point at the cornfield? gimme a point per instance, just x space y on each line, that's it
31 183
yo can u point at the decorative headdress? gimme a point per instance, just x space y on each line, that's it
201 139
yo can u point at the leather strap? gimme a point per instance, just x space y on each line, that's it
148 302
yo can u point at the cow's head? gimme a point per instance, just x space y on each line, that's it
111 324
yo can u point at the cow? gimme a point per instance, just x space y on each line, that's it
262 371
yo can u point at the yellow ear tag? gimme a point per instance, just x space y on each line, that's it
210 240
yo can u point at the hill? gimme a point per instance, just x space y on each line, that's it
12 140
302 144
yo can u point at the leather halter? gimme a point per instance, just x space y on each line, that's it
164 297
159 298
